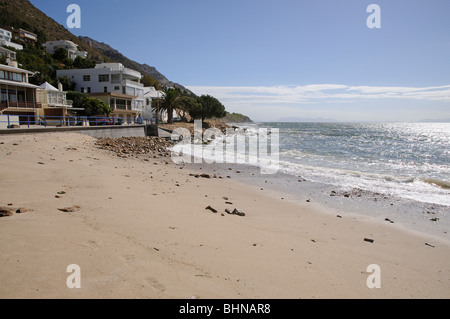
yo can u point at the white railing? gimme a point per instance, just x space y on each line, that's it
132 73
133 83
59 102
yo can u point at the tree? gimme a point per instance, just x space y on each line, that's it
79 99
68 84
82 63
61 55
93 106
148 80
211 107
190 105
169 103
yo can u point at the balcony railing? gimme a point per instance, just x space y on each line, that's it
59 102
133 73
122 107
133 83
19 105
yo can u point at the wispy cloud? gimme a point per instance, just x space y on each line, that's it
306 99
310 93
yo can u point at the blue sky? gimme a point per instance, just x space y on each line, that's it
287 58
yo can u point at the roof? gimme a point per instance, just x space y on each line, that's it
11 68
21 84
48 87
153 93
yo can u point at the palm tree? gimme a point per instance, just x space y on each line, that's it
169 103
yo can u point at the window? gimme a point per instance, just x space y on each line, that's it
82 90
12 95
103 78
130 91
89 90
86 78
117 88
4 95
19 77
20 96
115 78
2 74
105 89
14 76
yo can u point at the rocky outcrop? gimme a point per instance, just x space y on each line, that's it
135 146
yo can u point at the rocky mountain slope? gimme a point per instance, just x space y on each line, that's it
116 56
23 14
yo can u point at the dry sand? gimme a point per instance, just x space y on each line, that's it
142 231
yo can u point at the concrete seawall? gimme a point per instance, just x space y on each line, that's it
97 131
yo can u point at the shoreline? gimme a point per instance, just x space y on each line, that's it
427 219
141 230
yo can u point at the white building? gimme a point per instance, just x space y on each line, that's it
5 35
72 48
5 40
53 100
108 78
152 100
8 53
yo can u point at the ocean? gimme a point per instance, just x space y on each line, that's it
403 160
406 160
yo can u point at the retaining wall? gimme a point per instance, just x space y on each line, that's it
96 131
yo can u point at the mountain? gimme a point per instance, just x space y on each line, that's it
435 121
116 56
23 14
236 118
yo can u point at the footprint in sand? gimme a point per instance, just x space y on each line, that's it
128 257
155 284
94 245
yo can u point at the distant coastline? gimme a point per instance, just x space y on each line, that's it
434 121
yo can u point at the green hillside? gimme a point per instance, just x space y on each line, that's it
23 14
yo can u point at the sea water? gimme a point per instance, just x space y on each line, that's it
406 160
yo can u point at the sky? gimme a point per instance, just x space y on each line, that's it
287 59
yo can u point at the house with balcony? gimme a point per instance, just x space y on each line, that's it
24 36
111 82
6 38
72 48
121 105
17 96
54 101
8 53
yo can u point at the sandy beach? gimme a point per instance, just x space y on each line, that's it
139 229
